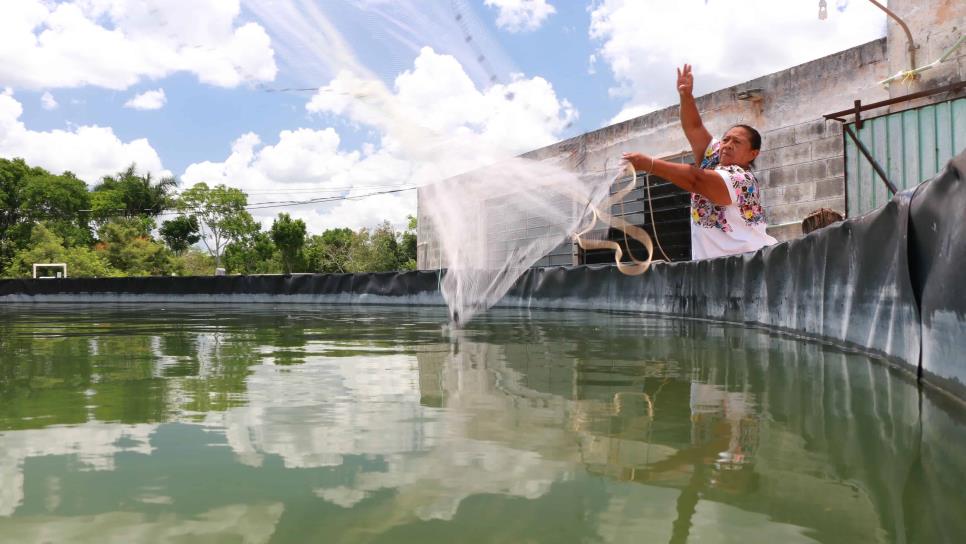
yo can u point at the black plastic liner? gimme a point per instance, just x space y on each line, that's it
889 282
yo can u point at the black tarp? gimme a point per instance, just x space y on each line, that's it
888 282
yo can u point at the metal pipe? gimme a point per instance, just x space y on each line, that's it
912 45
952 87
914 73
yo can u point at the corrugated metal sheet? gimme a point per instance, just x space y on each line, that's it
911 146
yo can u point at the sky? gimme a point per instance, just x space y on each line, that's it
350 104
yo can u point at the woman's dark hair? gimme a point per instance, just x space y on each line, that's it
753 137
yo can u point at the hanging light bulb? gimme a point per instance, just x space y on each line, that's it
822 10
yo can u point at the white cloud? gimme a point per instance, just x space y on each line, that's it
116 43
437 112
90 152
727 41
47 101
308 164
521 15
149 100
435 123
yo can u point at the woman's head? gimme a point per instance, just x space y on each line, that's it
740 146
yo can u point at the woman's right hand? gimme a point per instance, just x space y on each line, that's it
685 80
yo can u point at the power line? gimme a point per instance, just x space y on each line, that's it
254 206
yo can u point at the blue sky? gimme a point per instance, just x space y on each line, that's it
410 90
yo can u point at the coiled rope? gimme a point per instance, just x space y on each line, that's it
636 266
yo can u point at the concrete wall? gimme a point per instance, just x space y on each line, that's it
935 26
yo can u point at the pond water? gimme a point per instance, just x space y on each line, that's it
261 423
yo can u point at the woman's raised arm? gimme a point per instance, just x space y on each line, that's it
694 130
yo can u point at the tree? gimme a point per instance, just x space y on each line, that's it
221 211
46 247
289 237
375 251
253 253
61 202
330 251
127 193
180 233
407 248
124 244
14 230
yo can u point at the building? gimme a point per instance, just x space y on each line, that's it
910 126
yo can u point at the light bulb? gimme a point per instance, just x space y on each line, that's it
822 10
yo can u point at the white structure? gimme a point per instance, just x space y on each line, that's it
46 266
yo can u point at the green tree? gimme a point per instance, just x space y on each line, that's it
407 246
180 233
375 251
130 194
289 237
221 212
125 245
252 254
329 252
61 202
46 247
15 227
194 262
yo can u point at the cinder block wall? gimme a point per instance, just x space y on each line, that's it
802 169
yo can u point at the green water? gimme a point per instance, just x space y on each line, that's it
325 424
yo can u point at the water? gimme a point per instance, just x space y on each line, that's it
329 424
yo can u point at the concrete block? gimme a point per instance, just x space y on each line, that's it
775 139
781 214
830 188
785 232
536 232
811 171
535 222
836 166
517 234
801 192
774 196
828 147
813 130
793 154
836 203
561 260
780 176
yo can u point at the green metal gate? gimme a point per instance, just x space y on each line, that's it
911 146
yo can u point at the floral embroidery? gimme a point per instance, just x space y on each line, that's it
745 184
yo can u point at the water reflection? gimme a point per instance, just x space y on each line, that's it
374 426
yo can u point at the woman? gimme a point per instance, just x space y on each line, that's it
726 213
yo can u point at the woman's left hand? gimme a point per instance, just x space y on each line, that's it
639 161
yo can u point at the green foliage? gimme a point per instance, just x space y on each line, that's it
375 251
252 254
329 253
30 194
129 194
47 247
195 263
60 201
289 238
180 233
407 246
221 210
126 247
